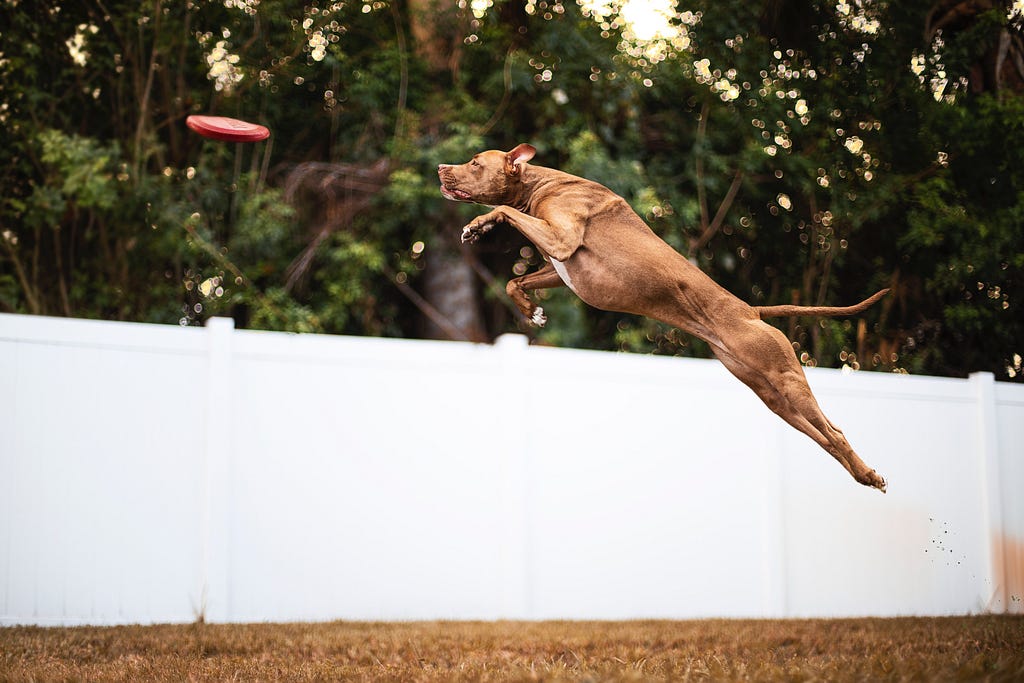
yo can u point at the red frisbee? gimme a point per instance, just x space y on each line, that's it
229 130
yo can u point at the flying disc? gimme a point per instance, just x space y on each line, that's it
227 129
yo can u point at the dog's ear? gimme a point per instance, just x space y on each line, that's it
515 159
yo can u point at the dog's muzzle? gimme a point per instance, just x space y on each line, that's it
448 182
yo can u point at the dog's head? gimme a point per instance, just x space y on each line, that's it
488 178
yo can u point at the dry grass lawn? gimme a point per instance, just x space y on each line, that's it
919 649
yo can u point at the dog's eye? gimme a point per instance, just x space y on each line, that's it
474 163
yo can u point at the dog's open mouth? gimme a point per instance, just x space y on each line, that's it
455 194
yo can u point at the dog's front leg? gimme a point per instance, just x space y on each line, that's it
481 225
559 239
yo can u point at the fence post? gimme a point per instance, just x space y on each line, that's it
987 445
216 515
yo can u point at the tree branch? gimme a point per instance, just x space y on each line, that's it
723 209
505 97
454 332
215 253
966 8
403 86
147 90
19 270
702 198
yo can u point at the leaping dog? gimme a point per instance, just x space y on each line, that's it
596 245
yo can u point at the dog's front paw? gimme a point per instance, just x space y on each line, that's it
479 226
538 318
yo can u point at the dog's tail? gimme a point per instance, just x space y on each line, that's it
825 311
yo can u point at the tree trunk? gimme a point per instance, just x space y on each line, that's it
450 284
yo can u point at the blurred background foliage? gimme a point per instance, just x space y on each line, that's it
798 151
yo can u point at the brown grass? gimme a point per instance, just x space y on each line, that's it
919 649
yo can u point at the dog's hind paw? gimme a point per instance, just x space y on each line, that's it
538 318
873 479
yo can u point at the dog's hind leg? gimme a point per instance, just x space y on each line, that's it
543 278
762 358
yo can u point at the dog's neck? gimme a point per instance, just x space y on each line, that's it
531 179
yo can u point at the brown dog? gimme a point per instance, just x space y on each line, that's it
597 246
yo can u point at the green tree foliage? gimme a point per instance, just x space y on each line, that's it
807 152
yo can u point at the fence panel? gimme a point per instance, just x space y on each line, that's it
152 473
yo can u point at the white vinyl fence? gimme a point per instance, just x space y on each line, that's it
155 474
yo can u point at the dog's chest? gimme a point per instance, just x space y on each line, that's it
563 273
